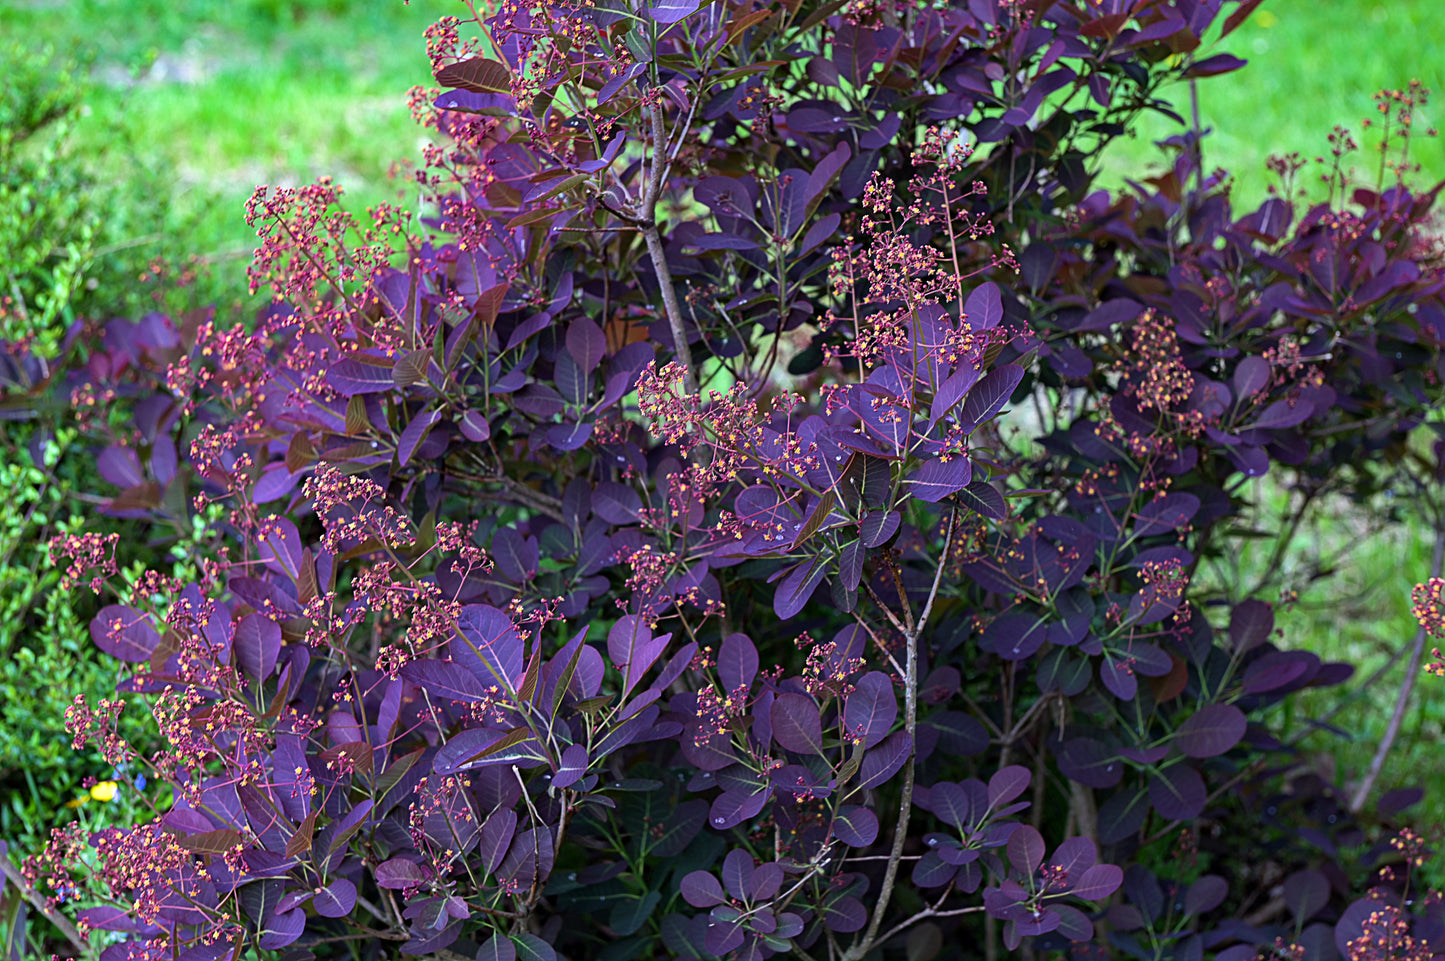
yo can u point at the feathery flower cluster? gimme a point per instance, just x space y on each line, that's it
1428 606
92 554
1159 376
1387 936
353 511
99 724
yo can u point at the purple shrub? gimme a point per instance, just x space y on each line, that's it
645 556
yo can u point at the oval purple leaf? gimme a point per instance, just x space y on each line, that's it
1211 731
336 899
871 709
1178 793
737 662
124 632
1026 849
1206 894
701 890
1098 882
856 826
1007 783
796 724
257 644
885 760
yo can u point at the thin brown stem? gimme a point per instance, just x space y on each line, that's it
1402 701
71 932
910 724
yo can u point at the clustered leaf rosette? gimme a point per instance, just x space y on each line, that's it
507 635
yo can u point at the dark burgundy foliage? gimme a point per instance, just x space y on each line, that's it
512 641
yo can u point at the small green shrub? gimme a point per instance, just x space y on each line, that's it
43 642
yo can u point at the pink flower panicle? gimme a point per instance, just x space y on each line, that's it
92 554
1428 606
353 511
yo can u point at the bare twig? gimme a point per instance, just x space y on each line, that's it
910 724
71 932
1412 672
648 225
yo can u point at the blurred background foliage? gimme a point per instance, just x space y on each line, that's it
133 131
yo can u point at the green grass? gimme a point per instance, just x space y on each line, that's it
1375 553
235 94
215 98
1313 64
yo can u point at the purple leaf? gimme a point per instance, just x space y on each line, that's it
1165 513
1178 793
571 767
487 644
671 11
856 826
824 229
794 590
1250 377
1305 893
1025 849
827 169
282 928
496 839
871 709
1217 64
737 873
721 241
444 679
360 374
1211 731
989 395
633 649
1073 923
257 644
415 432
120 466
1089 762
1015 637
474 426
931 871
731 808
499 947
1208 893
616 503
1075 856
1098 882
569 435
1280 669
796 724
529 946
885 760
1249 624
1282 414
280 547
737 662
936 479
1006 784
951 804
481 745
951 391
586 343
1108 315
124 633
877 527
845 915
984 307
336 899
